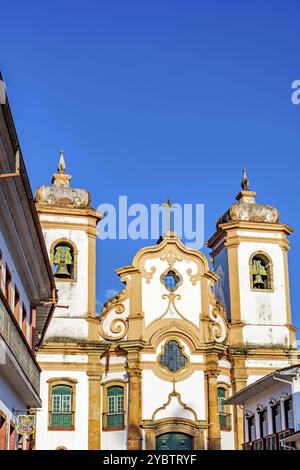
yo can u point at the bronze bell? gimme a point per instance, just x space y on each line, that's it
62 271
62 259
258 281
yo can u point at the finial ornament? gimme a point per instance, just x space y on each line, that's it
245 181
169 206
61 164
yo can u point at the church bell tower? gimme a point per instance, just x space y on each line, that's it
250 256
69 226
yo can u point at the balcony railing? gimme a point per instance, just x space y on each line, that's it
61 421
113 422
271 442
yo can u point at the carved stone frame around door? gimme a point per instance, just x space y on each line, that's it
195 429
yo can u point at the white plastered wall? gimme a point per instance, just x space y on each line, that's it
72 440
154 305
70 323
263 312
114 440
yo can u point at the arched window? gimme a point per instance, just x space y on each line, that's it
114 406
61 404
63 255
224 415
172 357
261 272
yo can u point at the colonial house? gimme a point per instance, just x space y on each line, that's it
27 289
271 411
154 369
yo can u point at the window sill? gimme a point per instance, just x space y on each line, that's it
228 429
113 429
61 429
262 290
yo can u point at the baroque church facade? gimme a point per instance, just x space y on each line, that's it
154 369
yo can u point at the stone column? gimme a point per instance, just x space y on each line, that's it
214 433
239 381
135 400
199 440
94 374
150 437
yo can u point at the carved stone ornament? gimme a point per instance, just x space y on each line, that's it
218 325
60 193
61 196
113 320
247 209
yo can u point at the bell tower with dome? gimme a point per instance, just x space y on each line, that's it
69 226
250 256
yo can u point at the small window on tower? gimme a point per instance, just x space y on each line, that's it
63 261
261 272
171 280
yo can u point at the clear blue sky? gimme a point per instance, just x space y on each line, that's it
150 98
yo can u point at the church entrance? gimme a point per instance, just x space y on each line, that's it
174 441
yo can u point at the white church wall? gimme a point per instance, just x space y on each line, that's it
227 440
65 358
72 440
266 335
156 392
69 328
113 440
152 292
272 363
73 294
267 308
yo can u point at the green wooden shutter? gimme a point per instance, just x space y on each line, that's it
222 408
61 416
115 407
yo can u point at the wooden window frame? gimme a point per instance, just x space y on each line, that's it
12 436
24 321
3 433
69 382
1 269
17 306
251 416
225 387
289 398
260 412
32 327
274 405
8 285
105 386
